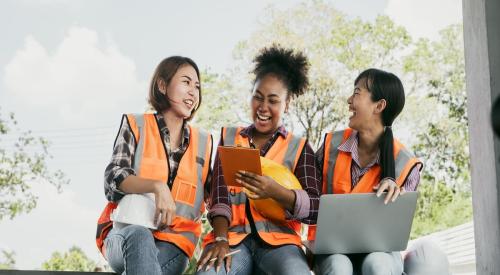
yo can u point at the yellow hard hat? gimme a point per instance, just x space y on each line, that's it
270 208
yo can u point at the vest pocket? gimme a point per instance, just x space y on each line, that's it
184 191
155 169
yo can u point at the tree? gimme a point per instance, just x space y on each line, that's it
73 260
446 138
7 260
216 105
445 199
434 121
23 161
338 48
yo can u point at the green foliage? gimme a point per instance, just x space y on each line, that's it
23 161
205 228
7 261
438 68
439 208
73 260
216 105
338 48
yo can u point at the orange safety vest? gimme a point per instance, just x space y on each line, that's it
285 151
337 169
151 162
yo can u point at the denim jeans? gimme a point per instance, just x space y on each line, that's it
425 257
376 263
133 250
257 257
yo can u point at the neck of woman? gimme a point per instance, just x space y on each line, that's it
368 139
259 139
260 135
174 124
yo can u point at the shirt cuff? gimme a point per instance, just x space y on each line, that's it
302 206
388 178
119 178
220 209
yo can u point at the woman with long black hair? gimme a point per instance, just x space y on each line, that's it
366 158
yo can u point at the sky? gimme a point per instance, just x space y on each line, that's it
69 69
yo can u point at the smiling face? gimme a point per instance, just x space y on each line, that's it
269 103
183 91
366 113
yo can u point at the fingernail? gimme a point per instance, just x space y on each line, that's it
206 269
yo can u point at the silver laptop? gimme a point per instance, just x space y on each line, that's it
362 223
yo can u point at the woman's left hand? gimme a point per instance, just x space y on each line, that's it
389 185
260 187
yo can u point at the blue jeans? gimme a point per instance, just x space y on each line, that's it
257 257
426 257
376 263
133 250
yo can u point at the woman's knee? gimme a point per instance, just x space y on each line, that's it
426 257
382 263
137 233
172 259
333 264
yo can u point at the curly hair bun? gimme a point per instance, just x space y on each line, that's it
288 66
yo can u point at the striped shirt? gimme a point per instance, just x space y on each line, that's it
307 199
351 146
121 164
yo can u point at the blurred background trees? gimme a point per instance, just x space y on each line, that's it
433 123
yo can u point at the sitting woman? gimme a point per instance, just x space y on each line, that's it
366 158
161 154
265 245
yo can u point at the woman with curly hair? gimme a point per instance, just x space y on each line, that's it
265 245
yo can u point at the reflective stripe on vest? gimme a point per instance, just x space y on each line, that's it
270 232
151 161
335 142
237 198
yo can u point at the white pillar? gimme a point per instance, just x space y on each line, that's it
482 64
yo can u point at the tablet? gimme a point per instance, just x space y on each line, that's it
234 159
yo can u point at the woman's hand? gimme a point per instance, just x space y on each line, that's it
260 187
165 206
393 191
215 254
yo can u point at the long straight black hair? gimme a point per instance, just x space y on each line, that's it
387 86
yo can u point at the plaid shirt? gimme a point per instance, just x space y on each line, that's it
351 146
121 162
307 199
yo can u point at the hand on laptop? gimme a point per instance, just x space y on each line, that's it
389 185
